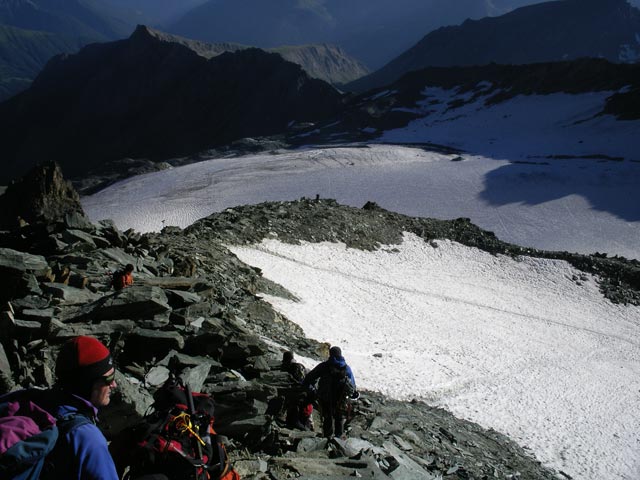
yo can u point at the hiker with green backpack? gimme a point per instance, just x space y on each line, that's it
336 385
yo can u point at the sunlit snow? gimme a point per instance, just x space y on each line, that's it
515 345
506 183
527 127
583 205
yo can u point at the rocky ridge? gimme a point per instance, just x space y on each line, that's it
194 299
326 62
370 227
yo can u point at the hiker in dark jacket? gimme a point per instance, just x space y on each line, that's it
86 378
299 402
335 385
295 369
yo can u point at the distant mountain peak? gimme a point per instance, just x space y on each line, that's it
143 32
545 32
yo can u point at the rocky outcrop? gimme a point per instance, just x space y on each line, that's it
213 330
41 196
326 62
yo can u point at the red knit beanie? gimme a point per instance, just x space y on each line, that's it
82 360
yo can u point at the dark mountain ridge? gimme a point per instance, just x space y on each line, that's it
326 62
547 32
142 97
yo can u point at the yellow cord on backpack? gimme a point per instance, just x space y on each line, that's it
182 422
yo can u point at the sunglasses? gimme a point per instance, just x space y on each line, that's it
109 379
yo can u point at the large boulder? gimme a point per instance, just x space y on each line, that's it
129 404
42 195
17 273
145 345
403 467
180 299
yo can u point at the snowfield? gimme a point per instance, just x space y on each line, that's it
528 347
580 205
527 127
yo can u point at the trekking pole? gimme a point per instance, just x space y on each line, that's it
192 413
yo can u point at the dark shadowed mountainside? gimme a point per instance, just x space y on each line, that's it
547 32
78 18
23 53
154 12
144 97
33 31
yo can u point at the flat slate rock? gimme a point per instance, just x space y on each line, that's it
70 295
135 302
16 261
61 331
330 468
72 236
182 283
180 299
119 256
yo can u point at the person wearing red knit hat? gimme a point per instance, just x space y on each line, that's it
85 380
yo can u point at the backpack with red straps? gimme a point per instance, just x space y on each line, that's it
178 439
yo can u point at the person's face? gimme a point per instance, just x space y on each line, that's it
102 388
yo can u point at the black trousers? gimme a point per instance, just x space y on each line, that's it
332 419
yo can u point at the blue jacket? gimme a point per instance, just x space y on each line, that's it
322 372
83 453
